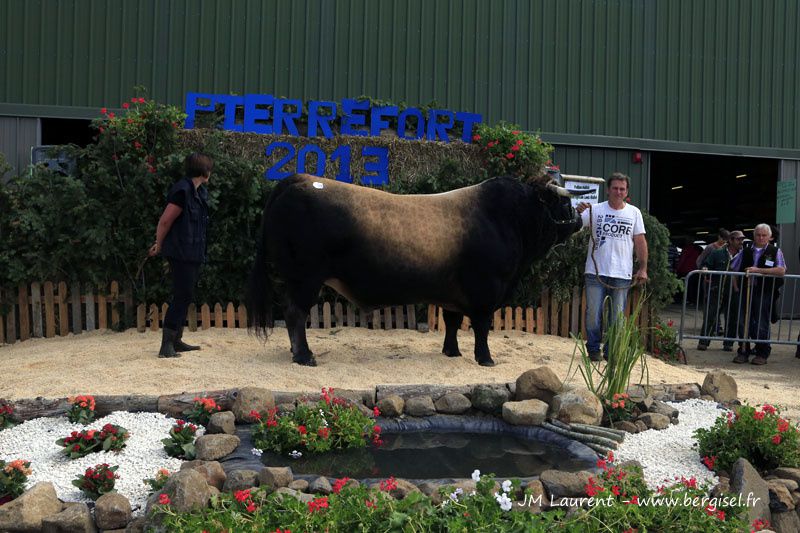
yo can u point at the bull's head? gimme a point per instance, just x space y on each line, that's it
566 218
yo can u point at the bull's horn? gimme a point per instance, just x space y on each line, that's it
561 191
579 192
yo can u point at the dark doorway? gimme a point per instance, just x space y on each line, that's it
67 131
695 195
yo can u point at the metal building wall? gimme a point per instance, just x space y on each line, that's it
720 72
17 135
602 162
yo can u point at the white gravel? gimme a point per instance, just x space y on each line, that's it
35 441
664 454
672 452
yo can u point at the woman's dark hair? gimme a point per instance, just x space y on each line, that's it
197 164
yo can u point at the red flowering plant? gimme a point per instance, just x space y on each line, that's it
79 444
157 483
509 151
665 342
81 410
681 505
97 480
6 412
13 476
201 410
180 443
620 407
761 436
331 423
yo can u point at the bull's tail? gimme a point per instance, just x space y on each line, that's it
260 293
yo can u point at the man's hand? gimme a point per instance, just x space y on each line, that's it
154 250
581 207
640 277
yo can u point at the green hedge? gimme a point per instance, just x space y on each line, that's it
97 225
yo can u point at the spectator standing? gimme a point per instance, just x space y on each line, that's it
719 297
722 240
766 259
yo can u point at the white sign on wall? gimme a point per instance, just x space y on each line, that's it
592 185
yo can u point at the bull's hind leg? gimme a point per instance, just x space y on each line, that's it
452 321
480 325
301 296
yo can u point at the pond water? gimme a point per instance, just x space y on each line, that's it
438 454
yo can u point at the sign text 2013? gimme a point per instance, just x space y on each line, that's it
267 114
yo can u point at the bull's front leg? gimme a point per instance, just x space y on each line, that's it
452 321
480 325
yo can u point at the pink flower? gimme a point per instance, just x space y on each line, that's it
776 439
509 156
126 105
163 499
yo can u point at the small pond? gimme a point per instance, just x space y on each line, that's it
437 447
436 454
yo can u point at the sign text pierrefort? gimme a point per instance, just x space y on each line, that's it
267 114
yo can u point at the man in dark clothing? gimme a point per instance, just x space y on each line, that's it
766 259
181 239
718 299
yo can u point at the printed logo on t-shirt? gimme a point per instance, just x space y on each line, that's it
613 226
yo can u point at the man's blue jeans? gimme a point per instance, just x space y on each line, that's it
596 293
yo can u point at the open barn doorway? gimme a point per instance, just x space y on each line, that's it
695 195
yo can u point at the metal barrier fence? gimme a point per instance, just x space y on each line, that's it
734 307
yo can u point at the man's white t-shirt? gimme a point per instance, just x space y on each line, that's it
612 232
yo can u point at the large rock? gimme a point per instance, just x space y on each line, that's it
490 398
212 471
787 522
420 406
187 490
27 511
403 488
753 490
213 447
539 383
240 480
655 420
320 485
780 498
73 519
785 472
579 406
720 386
525 413
222 422
252 399
112 511
453 403
560 484
273 477
657 406
391 405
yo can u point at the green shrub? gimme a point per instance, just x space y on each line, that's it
762 437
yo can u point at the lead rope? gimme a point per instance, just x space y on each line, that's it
594 259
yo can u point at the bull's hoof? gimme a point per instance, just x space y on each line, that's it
307 360
486 362
451 353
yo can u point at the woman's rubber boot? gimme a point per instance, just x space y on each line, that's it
167 343
181 346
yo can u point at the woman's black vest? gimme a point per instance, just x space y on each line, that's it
186 239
